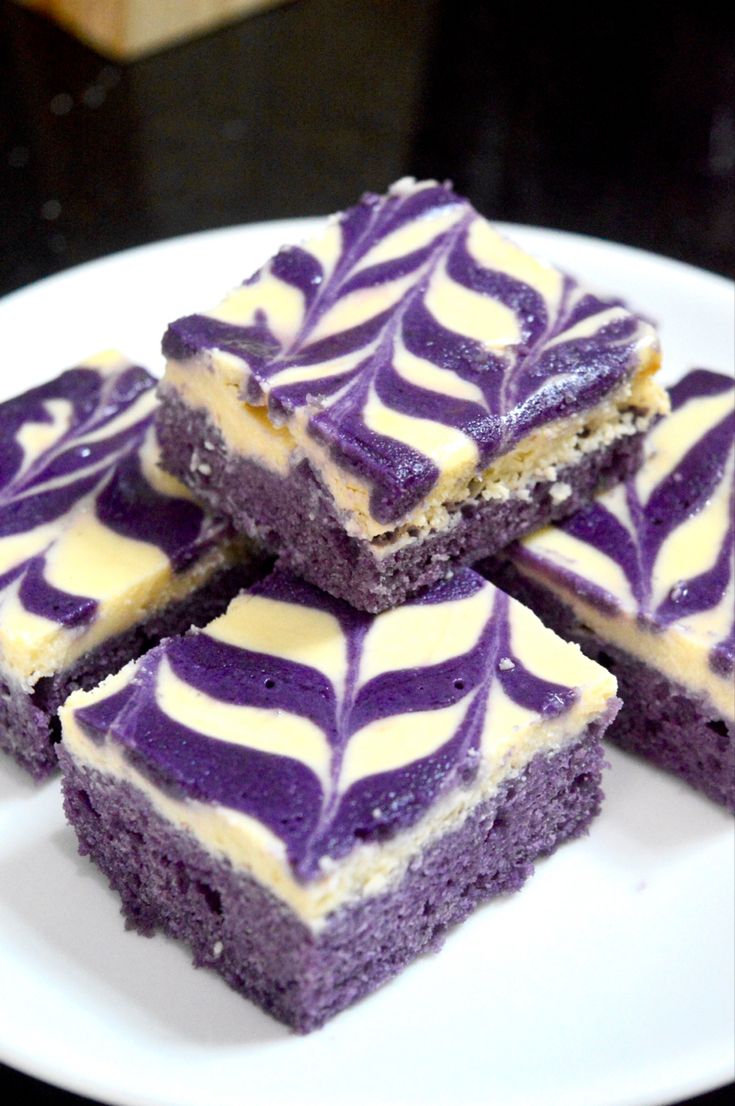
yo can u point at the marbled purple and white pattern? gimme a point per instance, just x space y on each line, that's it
413 342
83 502
330 727
660 546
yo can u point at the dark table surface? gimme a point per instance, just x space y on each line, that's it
588 122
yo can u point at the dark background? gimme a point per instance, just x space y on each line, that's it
590 121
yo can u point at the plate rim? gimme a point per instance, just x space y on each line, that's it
54 1074
264 225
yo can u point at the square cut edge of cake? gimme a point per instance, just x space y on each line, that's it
643 579
406 391
102 553
310 796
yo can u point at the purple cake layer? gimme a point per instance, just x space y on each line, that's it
96 463
29 728
411 304
431 373
167 881
661 720
297 519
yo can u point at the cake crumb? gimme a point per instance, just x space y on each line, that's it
560 491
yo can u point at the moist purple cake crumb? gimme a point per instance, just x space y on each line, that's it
168 882
29 728
661 720
297 517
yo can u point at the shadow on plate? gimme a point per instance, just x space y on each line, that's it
76 934
650 813
15 783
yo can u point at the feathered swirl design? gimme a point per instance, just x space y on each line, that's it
332 727
72 467
410 336
660 546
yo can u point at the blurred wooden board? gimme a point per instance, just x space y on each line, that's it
125 29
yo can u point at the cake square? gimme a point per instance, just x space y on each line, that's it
405 392
102 553
643 580
309 796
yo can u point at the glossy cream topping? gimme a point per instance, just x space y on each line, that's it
93 534
649 565
538 457
407 348
320 747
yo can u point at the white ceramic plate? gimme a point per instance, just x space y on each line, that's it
607 981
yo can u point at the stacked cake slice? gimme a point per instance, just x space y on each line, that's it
644 580
309 795
406 392
102 553
373 740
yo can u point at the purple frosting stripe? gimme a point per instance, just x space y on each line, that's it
683 491
173 524
244 678
32 509
524 385
45 487
317 818
40 597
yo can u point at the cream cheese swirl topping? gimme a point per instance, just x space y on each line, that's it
412 344
325 728
651 561
91 529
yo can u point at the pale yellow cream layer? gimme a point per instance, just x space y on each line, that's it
129 579
512 736
247 431
217 380
681 651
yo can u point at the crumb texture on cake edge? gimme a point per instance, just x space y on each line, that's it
508 737
539 457
404 348
296 518
167 881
